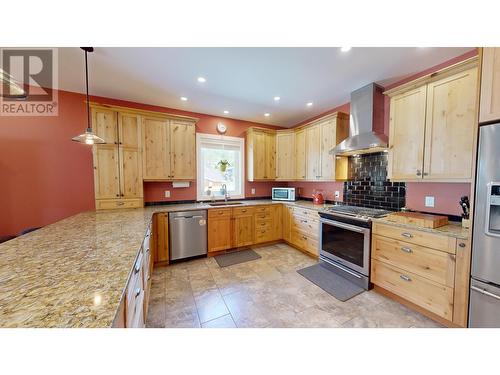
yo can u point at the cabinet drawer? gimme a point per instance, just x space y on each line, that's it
135 293
428 294
413 236
310 214
263 234
263 209
219 212
305 241
263 215
110 204
435 265
243 211
262 223
309 226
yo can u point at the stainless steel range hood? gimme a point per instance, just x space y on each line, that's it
366 123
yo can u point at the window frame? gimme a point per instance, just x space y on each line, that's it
200 137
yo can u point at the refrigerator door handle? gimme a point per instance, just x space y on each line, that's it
485 292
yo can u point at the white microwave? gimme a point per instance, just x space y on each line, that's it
283 194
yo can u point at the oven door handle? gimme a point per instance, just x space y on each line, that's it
345 226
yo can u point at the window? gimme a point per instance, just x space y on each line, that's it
219 162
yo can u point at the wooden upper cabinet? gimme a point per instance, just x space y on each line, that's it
313 151
406 139
261 154
300 155
182 150
156 148
104 124
332 132
489 107
285 155
106 172
129 140
450 127
433 123
169 149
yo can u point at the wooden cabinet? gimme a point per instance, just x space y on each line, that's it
304 229
261 154
160 238
429 270
287 213
489 106
219 229
244 227
300 155
169 151
118 163
313 152
285 155
432 126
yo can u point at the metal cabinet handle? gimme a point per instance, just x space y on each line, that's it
426 174
117 195
243 210
304 237
407 235
405 278
304 221
120 203
485 292
406 249
461 244
137 292
419 172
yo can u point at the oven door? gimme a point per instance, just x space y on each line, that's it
346 244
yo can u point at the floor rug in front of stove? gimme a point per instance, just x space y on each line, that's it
330 282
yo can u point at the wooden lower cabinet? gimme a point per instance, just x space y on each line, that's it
219 229
429 270
304 230
243 227
160 238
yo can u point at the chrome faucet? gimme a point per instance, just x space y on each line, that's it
226 195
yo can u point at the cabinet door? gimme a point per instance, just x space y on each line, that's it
182 147
328 141
219 233
156 148
300 155
106 171
244 230
104 124
129 136
270 156
287 222
489 107
259 155
313 152
450 127
285 166
276 222
406 138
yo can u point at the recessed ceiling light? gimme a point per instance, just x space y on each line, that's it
277 98
309 104
202 79
267 114
345 49
184 99
226 112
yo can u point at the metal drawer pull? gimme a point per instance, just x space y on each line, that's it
405 278
137 292
304 237
406 249
485 292
304 221
407 235
461 244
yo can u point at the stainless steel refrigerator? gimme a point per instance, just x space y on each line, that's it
484 310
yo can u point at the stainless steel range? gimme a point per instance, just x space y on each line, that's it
345 241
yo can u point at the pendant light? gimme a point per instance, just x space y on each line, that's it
89 137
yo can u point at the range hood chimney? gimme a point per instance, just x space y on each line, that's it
366 123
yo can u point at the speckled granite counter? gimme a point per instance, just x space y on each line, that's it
453 229
73 273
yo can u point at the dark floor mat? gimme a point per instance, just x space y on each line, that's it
330 282
236 257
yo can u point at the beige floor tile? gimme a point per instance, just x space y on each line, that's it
225 321
210 305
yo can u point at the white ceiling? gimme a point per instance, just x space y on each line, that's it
243 80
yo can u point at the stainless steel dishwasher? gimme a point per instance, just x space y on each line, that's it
188 234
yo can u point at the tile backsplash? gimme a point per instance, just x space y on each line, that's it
368 185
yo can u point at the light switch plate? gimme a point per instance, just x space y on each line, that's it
253 190
337 194
429 201
167 193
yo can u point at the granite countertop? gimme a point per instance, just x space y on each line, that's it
453 229
73 273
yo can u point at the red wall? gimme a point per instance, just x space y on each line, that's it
45 177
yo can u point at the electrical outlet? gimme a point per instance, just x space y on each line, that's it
429 201
167 193
253 191
337 194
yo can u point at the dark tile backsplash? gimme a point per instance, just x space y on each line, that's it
368 185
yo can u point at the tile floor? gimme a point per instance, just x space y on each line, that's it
263 293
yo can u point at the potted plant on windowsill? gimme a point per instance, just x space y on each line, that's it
222 165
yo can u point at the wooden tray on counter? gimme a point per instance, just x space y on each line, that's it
418 219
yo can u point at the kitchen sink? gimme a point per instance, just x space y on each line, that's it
225 203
